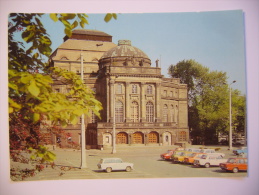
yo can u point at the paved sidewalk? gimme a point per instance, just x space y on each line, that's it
68 161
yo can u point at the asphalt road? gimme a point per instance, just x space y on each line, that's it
147 164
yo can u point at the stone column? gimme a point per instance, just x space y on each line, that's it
127 101
142 102
112 96
158 104
108 105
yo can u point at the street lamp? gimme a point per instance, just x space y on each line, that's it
83 155
230 116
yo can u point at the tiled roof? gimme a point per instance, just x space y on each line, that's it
90 32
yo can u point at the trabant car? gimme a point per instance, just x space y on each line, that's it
234 165
208 160
112 164
180 158
192 157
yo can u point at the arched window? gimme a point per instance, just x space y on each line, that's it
165 113
149 89
119 112
134 88
150 112
64 58
134 112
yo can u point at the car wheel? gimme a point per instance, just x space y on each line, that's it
108 169
128 168
235 170
207 165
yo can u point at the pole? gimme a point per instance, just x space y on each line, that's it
83 155
230 117
230 120
114 123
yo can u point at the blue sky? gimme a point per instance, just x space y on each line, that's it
215 39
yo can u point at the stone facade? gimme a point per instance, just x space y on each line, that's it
145 107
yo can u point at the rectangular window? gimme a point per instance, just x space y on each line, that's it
134 89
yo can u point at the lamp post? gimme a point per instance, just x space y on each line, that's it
83 155
230 116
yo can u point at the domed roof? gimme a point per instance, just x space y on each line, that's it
124 49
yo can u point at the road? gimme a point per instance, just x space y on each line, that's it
147 164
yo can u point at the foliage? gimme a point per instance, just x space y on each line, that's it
208 101
31 97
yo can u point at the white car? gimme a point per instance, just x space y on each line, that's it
114 164
207 160
208 150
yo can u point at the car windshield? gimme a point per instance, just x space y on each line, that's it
231 160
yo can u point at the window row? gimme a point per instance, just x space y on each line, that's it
134 89
134 112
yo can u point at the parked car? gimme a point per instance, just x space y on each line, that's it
235 165
196 150
167 155
180 158
192 157
239 141
208 160
176 154
208 150
112 164
240 151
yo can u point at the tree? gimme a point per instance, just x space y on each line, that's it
31 98
208 100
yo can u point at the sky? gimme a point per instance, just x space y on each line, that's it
215 39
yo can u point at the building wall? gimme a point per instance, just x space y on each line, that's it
167 125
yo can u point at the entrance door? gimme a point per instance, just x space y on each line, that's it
107 139
122 138
138 138
153 137
167 140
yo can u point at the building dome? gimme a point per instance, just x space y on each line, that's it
126 54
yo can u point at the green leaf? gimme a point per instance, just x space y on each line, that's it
68 32
36 117
114 16
75 24
33 89
108 17
54 17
